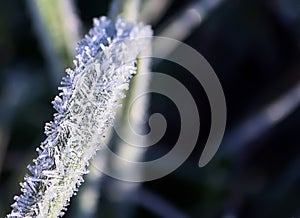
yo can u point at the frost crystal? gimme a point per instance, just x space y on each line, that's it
85 107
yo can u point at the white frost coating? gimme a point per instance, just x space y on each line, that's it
86 106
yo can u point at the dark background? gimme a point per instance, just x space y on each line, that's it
253 46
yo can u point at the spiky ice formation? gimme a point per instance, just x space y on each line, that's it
85 107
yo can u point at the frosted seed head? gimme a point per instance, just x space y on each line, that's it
86 107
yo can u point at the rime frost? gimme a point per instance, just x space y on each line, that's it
85 107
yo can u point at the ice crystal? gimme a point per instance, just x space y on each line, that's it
85 107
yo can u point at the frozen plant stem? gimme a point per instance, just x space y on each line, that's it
86 106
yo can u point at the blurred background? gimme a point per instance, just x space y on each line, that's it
253 46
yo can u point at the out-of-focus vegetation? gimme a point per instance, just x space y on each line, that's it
253 46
